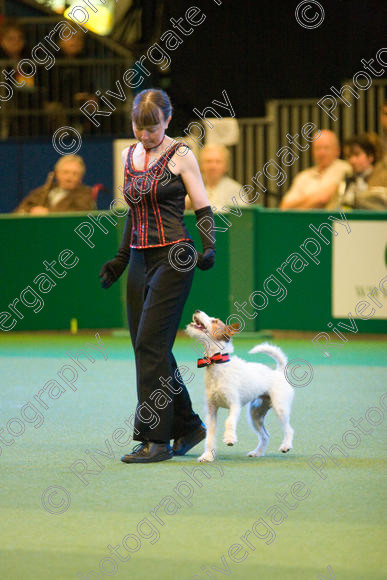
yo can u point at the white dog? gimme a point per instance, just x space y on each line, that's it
231 382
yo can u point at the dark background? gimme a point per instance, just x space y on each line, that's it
256 50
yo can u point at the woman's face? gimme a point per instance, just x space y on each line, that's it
358 158
151 136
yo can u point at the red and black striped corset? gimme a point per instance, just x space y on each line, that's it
156 198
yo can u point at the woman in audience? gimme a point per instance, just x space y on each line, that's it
366 186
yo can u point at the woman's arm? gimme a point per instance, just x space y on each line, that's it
188 168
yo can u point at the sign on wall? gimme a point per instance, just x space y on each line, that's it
359 264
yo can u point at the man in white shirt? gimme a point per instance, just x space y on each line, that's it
315 187
214 164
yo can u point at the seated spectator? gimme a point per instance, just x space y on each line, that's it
366 186
62 192
12 40
220 188
13 48
315 187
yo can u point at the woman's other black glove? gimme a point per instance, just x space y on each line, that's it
205 223
112 270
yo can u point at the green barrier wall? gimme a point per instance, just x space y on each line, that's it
26 242
248 252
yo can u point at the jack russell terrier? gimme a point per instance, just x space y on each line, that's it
232 382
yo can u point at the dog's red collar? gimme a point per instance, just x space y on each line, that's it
217 358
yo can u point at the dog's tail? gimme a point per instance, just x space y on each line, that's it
274 352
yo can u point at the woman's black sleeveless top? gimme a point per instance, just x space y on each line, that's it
156 198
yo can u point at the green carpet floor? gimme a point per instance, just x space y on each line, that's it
334 529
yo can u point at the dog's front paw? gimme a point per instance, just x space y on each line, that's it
206 457
230 439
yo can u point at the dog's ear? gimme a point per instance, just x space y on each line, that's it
232 329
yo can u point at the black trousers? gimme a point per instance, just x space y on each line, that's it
156 294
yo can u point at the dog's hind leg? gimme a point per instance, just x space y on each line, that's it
282 407
256 413
230 436
209 444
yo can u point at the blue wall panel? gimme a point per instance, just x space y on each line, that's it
24 166
10 176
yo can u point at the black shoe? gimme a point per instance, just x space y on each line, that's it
148 452
185 443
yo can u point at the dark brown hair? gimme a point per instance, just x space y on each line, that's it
364 142
147 106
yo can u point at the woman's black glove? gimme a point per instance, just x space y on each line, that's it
205 223
112 270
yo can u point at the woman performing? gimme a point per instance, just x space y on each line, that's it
159 173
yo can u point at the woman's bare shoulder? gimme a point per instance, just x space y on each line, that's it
184 156
124 155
